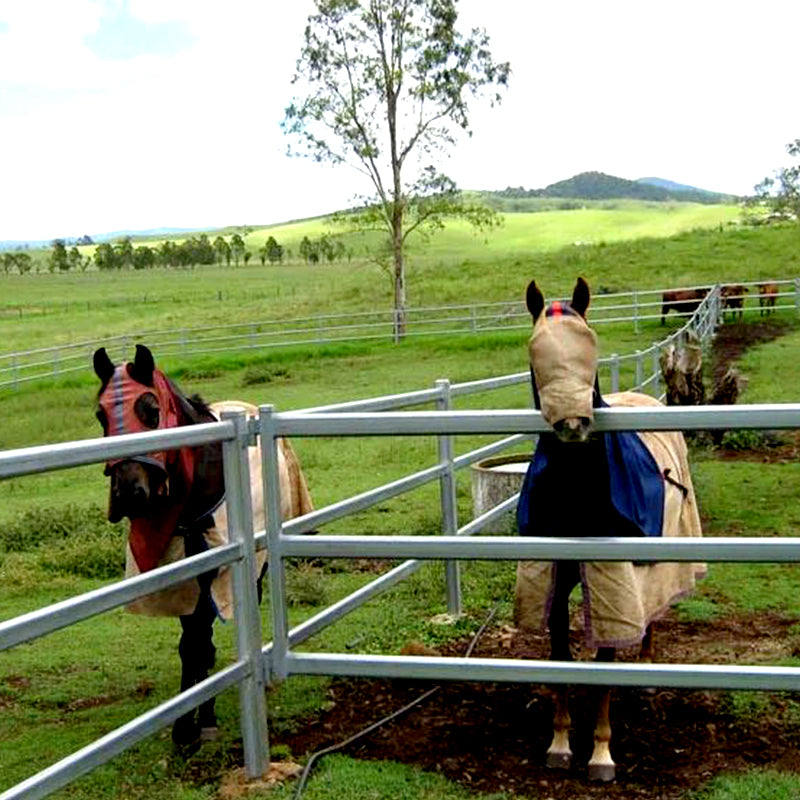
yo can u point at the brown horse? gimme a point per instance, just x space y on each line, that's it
733 295
681 301
767 295
176 504
583 484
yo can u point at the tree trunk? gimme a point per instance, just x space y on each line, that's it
399 271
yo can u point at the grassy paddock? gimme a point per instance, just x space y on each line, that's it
454 267
58 694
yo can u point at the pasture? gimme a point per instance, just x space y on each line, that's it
456 266
59 693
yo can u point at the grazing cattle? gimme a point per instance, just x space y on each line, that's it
767 295
175 501
584 484
732 295
681 301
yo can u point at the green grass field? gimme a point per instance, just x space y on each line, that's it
59 693
40 310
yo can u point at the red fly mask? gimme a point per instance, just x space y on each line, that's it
164 493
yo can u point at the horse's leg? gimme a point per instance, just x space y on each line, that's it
197 653
559 754
648 650
601 765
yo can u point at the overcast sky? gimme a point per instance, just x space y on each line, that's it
133 114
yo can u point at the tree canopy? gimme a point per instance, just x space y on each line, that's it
386 88
782 190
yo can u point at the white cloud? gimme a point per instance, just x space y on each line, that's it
701 93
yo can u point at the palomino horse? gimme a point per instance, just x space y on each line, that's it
176 505
587 484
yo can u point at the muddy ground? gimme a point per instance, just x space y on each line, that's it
493 737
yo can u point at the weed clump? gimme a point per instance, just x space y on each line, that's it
44 525
258 374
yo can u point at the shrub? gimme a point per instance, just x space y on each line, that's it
95 555
305 586
746 439
51 525
262 374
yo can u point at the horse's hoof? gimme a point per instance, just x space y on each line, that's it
185 734
602 772
558 760
209 733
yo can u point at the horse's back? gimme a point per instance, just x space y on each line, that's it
295 501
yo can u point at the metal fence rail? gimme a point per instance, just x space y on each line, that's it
257 662
634 308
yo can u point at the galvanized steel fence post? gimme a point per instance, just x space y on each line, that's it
252 701
639 370
614 372
655 383
797 295
636 312
447 488
270 475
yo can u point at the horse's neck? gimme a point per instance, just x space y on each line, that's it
208 484
581 470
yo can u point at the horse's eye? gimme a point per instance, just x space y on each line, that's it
102 418
146 409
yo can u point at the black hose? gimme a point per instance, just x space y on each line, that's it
301 783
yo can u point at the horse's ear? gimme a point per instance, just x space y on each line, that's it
534 299
103 365
143 365
581 297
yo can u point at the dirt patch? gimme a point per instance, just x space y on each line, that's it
493 737
730 343
734 338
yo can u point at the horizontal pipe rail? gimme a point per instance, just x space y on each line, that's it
702 676
643 418
59 615
515 548
336 611
44 458
102 750
489 450
363 501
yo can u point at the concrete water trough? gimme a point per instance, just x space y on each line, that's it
495 480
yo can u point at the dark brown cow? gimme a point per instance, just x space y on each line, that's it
767 294
733 298
681 301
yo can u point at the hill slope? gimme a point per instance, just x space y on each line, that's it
599 186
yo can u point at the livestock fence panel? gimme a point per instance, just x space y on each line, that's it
258 663
631 307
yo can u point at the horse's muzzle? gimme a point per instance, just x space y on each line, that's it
134 489
573 429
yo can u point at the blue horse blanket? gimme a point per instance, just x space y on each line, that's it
635 484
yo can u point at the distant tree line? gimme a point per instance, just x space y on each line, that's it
20 261
196 250
325 248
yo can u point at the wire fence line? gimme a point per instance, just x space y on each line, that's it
635 308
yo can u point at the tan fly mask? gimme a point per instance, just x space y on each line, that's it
563 356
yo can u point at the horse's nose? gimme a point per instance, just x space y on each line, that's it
573 429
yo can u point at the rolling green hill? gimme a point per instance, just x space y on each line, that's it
599 186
